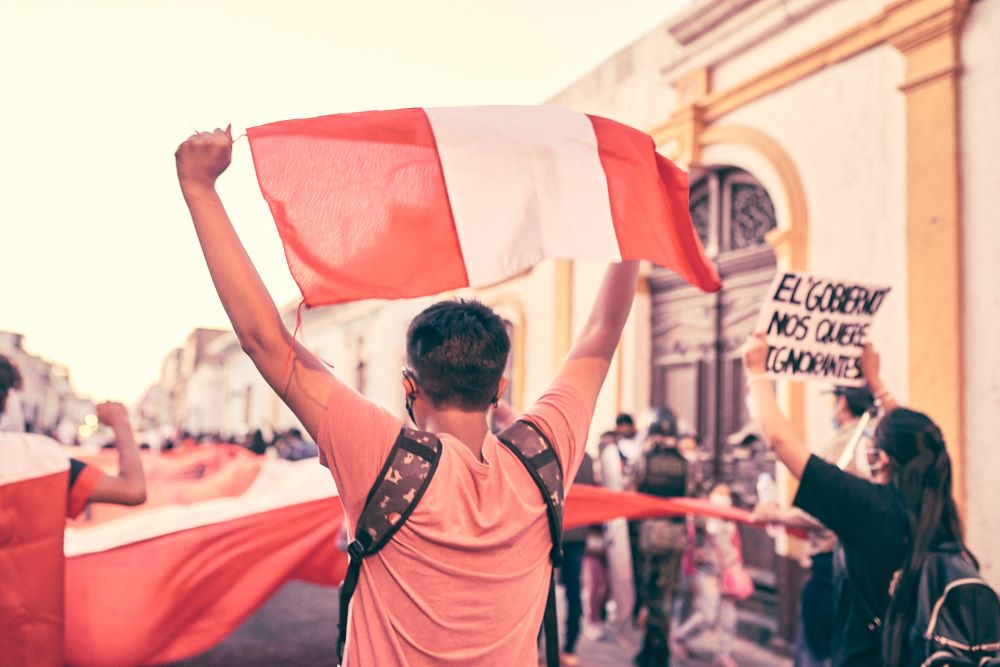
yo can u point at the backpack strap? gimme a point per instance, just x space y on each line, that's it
407 473
840 562
539 458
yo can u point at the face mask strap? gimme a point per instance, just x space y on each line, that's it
411 396
409 407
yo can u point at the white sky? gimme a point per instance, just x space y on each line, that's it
99 266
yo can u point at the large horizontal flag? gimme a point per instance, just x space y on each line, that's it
166 581
412 202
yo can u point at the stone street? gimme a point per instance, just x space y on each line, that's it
298 628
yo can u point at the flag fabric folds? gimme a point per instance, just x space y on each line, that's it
412 202
34 481
161 583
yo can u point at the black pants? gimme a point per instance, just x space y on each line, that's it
817 607
571 571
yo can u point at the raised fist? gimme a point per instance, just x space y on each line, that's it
203 156
112 414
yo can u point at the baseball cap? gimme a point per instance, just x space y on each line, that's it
859 399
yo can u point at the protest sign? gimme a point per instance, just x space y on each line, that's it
816 327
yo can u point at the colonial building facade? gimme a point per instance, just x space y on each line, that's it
47 401
851 138
842 137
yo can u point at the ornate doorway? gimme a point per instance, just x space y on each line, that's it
696 366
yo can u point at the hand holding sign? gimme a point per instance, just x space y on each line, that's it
754 353
816 328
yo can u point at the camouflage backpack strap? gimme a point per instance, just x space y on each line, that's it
405 476
539 457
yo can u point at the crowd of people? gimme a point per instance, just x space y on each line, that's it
874 504
452 548
682 575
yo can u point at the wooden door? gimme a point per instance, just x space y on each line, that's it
697 370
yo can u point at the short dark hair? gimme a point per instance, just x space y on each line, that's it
458 350
664 423
859 399
624 419
10 378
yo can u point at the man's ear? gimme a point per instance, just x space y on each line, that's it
502 387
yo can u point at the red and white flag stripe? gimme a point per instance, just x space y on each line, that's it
163 583
406 203
34 481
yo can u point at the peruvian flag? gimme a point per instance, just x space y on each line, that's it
34 480
412 202
221 531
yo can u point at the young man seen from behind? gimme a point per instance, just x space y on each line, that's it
464 581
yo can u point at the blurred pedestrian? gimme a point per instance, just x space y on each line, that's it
630 447
618 552
662 471
717 554
574 547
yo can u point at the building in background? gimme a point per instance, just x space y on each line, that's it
186 396
47 402
842 137
850 138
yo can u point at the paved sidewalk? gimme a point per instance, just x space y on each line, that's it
298 628
607 652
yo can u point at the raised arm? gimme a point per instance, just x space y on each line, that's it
778 431
870 366
303 383
129 486
587 364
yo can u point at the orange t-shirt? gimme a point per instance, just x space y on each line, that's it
464 581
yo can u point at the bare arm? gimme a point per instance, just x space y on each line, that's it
791 517
303 383
129 486
590 357
778 431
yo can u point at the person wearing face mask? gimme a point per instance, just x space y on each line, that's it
814 635
849 405
896 534
717 548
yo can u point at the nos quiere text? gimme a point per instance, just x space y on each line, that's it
829 299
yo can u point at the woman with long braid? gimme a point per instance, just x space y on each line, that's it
887 526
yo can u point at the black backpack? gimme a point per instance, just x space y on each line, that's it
957 622
405 476
664 473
